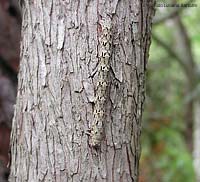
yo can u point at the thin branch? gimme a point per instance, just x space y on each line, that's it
188 55
170 51
168 16
172 14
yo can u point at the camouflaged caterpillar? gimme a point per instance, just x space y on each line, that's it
105 47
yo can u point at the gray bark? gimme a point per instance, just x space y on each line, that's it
56 90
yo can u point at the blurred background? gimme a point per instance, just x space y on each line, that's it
171 120
10 22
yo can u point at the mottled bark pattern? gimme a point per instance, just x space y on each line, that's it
56 91
101 90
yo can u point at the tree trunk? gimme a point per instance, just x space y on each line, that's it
60 56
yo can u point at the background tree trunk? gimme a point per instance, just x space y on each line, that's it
56 90
196 135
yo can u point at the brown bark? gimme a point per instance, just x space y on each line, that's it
56 90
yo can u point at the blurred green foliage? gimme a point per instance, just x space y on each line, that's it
165 156
191 21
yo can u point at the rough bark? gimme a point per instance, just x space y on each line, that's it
56 90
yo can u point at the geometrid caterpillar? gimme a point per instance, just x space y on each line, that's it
105 47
